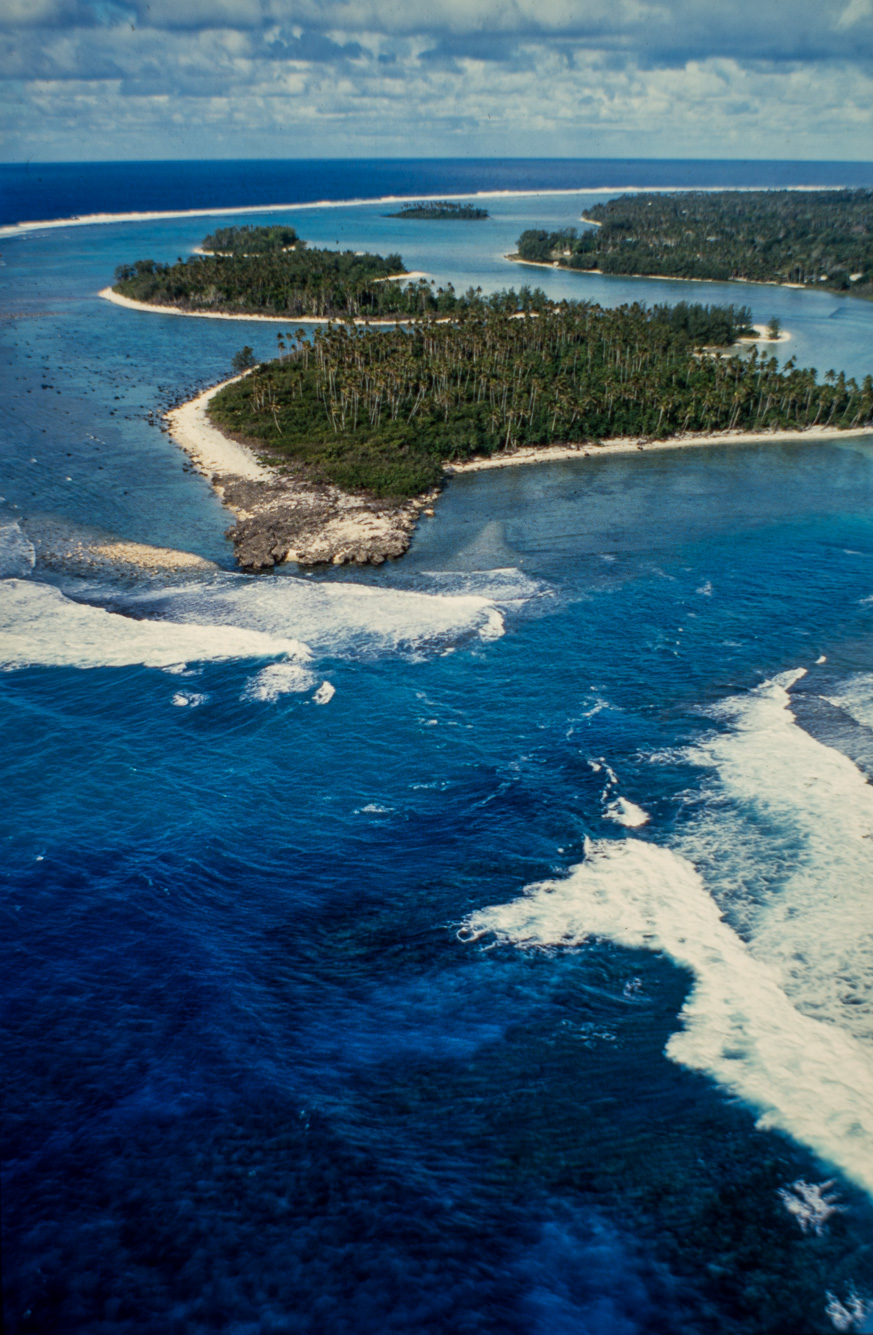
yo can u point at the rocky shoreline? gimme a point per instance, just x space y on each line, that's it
292 518
281 513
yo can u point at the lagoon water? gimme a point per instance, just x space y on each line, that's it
483 943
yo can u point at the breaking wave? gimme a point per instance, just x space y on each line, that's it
804 1076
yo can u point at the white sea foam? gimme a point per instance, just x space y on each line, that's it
812 1204
626 813
807 1077
855 697
856 1313
229 616
278 679
17 555
785 841
505 586
615 807
40 626
339 618
189 699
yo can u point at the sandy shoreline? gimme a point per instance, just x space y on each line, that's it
539 454
118 300
280 513
662 277
213 452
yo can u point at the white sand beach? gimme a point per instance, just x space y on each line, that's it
656 277
539 454
287 320
212 451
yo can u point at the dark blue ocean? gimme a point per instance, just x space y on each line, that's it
483 943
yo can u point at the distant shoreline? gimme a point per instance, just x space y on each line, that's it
98 219
538 454
670 278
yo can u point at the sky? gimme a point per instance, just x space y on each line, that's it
135 79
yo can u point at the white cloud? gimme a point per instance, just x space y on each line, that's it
562 77
856 11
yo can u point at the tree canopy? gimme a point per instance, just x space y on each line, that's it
383 411
445 209
818 238
251 240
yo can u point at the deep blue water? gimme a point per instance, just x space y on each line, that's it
293 1042
65 189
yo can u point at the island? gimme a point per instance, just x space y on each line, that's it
442 209
250 240
259 271
357 429
817 238
331 451
271 273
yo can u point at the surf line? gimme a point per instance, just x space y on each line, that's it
97 219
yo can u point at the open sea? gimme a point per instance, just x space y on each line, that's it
479 944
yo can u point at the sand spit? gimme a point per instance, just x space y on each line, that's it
212 451
287 320
84 553
281 513
763 337
542 454
664 278
144 557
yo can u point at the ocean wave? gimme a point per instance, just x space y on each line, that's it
17 555
42 627
279 679
784 837
506 587
804 1076
227 617
855 698
341 619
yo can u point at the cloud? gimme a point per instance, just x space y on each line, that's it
775 78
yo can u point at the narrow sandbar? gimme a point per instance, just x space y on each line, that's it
287 320
542 454
212 451
658 277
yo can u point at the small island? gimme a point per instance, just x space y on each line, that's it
818 238
332 451
271 273
441 209
372 421
250 240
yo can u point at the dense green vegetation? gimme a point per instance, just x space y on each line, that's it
251 240
383 411
820 238
440 208
302 283
297 283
